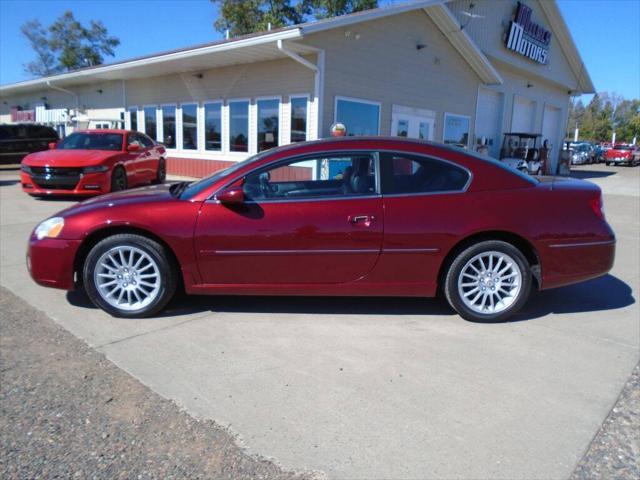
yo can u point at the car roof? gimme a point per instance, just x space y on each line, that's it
103 130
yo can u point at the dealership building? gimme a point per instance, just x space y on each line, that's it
457 72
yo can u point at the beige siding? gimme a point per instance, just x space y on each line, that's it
276 77
379 61
489 32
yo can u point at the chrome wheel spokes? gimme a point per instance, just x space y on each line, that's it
490 282
127 278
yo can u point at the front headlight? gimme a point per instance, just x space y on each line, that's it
50 228
25 168
95 169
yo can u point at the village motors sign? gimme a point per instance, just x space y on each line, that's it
528 38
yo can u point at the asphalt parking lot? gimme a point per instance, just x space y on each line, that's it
378 388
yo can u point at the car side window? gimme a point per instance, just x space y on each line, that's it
133 139
324 176
146 141
406 173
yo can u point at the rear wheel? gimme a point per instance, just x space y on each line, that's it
488 281
129 276
118 179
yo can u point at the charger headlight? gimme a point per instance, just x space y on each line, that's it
95 169
50 228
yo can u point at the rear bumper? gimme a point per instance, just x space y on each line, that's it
83 185
50 262
577 261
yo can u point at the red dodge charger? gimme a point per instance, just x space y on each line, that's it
93 162
352 216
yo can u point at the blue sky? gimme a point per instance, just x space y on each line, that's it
607 32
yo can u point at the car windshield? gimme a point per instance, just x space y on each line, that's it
92 141
622 147
204 183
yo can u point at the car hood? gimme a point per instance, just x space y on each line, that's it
67 158
137 196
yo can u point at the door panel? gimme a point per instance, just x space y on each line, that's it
290 242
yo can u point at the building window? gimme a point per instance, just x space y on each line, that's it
213 126
299 119
239 126
190 127
456 130
268 123
133 119
150 125
168 126
361 117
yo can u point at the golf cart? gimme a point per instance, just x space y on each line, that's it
520 151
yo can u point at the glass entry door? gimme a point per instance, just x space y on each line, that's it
413 123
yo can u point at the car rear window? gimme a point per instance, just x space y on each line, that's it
406 173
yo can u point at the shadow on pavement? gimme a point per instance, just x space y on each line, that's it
583 174
601 294
7 183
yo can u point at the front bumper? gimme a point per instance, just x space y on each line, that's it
50 262
619 160
69 182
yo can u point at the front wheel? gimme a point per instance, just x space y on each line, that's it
129 276
488 282
118 180
161 173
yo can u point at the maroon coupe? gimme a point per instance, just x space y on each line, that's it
352 216
93 162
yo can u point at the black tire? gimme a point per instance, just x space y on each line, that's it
608 164
455 271
118 179
161 174
168 274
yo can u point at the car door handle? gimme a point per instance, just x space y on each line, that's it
361 220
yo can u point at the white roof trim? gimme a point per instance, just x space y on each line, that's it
292 33
563 35
439 13
365 16
462 42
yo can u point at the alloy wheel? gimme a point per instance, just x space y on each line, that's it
127 278
490 282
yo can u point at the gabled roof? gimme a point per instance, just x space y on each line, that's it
262 46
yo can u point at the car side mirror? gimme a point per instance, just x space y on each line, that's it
134 147
231 196
53 145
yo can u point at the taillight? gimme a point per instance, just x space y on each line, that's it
597 206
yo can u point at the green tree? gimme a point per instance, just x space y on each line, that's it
332 8
67 45
241 17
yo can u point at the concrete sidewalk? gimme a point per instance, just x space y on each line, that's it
379 388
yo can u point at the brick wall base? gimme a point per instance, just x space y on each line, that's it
191 167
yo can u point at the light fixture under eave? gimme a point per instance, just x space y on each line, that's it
529 84
198 75
420 46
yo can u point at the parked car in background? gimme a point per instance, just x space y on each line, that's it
395 217
520 152
621 154
93 162
580 154
19 140
600 153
